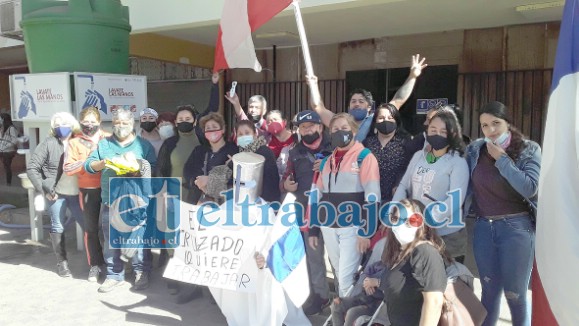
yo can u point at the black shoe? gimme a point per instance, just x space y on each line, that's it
189 293
63 270
316 305
141 281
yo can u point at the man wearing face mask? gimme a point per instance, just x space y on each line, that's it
120 144
256 111
315 143
361 101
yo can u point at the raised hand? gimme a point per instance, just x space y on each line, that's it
417 65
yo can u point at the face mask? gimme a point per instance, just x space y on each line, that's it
185 127
148 126
311 138
90 130
122 132
213 136
386 127
62 131
341 138
404 234
256 118
275 127
437 141
166 131
243 141
504 140
358 114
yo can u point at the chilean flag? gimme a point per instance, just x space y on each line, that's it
556 290
239 19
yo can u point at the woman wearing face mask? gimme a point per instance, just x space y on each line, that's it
248 141
79 148
166 125
415 257
504 169
204 158
388 142
45 170
343 179
436 171
149 131
280 135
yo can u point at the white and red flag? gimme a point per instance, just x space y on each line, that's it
239 19
556 290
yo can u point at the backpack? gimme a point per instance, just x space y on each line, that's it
365 152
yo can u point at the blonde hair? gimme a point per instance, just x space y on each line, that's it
353 125
90 110
212 116
65 119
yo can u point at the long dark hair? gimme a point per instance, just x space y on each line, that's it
453 130
517 144
393 252
400 131
6 122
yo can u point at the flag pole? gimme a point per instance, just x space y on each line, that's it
305 45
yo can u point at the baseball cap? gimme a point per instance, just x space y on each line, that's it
308 116
150 111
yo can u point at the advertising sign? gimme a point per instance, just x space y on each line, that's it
36 97
109 92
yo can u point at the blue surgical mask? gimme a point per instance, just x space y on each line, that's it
243 141
62 131
502 140
358 114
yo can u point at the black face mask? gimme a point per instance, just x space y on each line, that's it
311 138
256 118
437 141
90 130
341 138
148 126
386 127
185 127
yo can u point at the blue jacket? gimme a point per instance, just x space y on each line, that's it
522 175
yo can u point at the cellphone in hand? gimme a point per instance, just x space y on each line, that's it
232 90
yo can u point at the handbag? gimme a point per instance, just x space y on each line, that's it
461 307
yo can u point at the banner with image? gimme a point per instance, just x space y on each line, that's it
36 97
109 92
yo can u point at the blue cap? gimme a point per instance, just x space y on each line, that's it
308 116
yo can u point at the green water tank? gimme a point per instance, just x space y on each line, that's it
76 35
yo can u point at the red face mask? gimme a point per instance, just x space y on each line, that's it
214 135
275 127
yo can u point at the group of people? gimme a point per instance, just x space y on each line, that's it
360 156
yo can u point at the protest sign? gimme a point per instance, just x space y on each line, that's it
219 256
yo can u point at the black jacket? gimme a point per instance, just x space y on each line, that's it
45 166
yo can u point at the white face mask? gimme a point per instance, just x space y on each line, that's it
166 131
404 233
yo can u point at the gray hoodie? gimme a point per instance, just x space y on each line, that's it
447 174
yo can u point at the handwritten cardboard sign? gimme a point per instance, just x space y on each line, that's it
218 256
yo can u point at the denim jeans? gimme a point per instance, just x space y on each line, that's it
57 210
142 261
504 252
343 254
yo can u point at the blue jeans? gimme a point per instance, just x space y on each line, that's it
504 251
57 210
142 261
